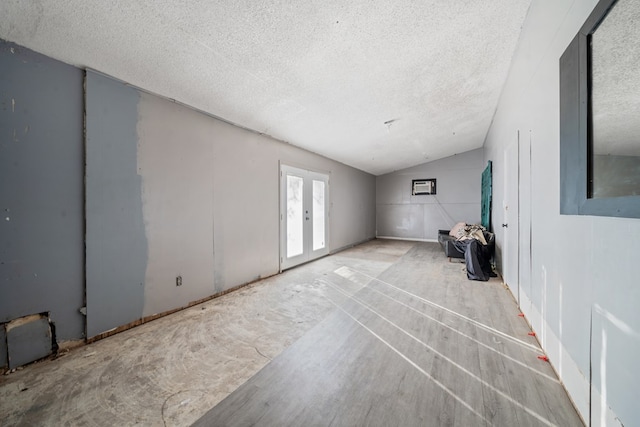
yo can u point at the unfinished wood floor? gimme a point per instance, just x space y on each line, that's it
384 334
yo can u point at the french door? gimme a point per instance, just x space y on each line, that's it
304 216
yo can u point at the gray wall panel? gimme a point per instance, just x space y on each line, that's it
116 245
246 222
457 186
615 345
436 216
457 198
352 206
246 204
169 191
175 158
208 192
402 221
392 189
581 292
28 339
41 190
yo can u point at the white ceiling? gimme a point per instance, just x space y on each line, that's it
377 85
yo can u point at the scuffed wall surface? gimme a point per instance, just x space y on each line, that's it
208 193
204 202
353 214
246 203
116 245
176 163
169 192
401 215
580 290
246 216
41 190
29 338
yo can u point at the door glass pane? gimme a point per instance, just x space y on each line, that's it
318 215
295 217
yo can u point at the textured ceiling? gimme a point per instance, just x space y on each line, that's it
374 84
616 81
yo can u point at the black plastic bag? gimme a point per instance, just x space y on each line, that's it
477 258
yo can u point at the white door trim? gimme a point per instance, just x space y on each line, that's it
511 218
308 253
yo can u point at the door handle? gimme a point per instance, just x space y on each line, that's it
505 225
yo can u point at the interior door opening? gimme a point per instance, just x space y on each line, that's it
304 214
511 215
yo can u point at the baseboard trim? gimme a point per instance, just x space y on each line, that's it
407 238
575 382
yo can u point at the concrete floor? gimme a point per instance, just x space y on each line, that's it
174 370
170 371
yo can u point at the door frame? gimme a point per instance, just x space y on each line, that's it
511 219
308 254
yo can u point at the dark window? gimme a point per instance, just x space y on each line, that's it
599 110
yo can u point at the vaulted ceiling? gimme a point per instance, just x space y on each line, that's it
377 85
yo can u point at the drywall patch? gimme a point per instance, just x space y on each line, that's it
29 338
116 244
41 189
175 161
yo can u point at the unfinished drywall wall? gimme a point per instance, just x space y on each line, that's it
401 215
353 196
116 244
41 190
211 202
188 196
169 192
246 217
246 203
176 163
29 338
579 286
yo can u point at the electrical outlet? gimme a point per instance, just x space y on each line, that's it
179 281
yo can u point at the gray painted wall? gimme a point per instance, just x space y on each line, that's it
458 186
41 190
173 192
578 284
176 163
246 206
28 339
169 192
116 244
